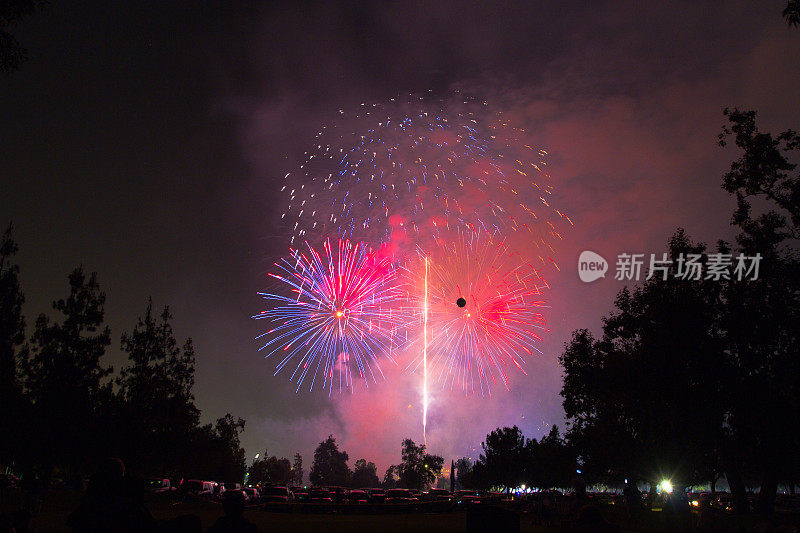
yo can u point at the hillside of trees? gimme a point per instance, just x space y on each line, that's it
64 409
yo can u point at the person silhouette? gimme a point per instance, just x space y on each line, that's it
234 520
22 520
633 498
589 519
6 525
113 502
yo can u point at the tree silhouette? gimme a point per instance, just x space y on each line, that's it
418 469
216 451
760 316
64 374
463 471
59 409
257 472
330 465
365 474
155 392
12 335
792 13
503 457
278 471
12 53
390 477
509 460
297 469
630 397
549 463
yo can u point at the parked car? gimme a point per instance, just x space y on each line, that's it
440 495
377 495
788 503
158 486
319 495
276 495
723 502
339 494
358 496
699 500
300 495
252 495
232 486
399 496
196 487
467 497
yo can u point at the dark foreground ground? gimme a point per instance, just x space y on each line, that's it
57 505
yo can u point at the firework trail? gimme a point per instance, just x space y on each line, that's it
425 357
483 308
339 321
409 170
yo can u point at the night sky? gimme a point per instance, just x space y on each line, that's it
148 142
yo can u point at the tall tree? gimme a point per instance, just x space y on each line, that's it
216 451
279 471
550 462
418 469
365 474
64 373
630 396
737 347
297 469
463 468
503 456
330 465
792 13
155 390
390 477
760 316
12 335
257 472
12 53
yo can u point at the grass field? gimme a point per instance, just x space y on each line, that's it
57 505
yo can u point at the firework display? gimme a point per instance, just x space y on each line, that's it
332 317
483 304
408 170
459 205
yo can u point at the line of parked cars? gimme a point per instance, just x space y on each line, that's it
213 490
723 501
200 489
344 495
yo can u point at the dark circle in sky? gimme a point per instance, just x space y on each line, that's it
461 302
